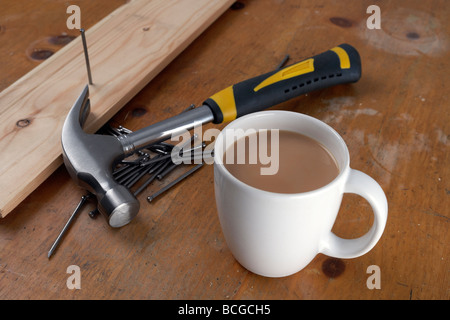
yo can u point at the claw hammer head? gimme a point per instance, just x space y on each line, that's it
90 159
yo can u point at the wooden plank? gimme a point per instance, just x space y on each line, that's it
127 49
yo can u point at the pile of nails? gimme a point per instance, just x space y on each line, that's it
152 162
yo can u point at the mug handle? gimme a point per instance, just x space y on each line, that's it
363 185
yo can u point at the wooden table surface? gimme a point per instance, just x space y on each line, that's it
395 121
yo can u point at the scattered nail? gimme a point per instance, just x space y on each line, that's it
174 182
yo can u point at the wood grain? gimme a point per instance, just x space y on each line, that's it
127 49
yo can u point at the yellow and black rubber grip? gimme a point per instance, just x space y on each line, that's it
339 65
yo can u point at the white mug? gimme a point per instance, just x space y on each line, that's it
278 234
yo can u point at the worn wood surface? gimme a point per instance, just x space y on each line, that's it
395 121
127 49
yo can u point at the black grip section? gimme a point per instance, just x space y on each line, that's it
215 109
327 72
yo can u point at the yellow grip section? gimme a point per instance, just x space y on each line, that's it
295 70
226 102
343 57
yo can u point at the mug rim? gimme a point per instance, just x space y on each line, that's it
220 166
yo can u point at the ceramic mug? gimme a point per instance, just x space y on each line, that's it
278 234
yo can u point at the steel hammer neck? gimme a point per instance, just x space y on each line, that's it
165 129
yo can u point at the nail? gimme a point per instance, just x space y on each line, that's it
128 180
124 173
156 159
94 213
192 106
86 56
124 130
168 170
68 223
150 180
146 170
283 62
160 149
179 149
174 182
142 158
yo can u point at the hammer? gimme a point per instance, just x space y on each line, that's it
90 158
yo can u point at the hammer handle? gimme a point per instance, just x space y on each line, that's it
339 65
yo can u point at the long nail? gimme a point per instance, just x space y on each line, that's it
145 170
174 182
86 56
283 62
168 169
125 173
150 180
68 223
